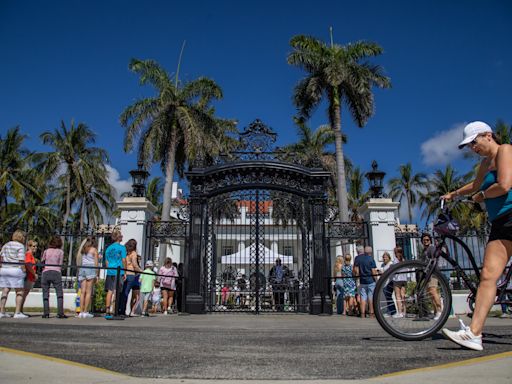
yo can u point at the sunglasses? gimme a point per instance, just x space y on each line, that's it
474 142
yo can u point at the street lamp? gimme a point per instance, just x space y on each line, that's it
139 177
375 178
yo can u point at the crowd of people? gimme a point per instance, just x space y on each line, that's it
355 283
151 289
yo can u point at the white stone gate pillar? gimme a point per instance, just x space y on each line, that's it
380 214
135 213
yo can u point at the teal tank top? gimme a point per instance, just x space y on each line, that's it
496 206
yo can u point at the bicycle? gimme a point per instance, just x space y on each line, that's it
423 280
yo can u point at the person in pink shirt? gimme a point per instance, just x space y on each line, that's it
52 275
168 274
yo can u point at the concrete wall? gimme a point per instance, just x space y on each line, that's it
35 299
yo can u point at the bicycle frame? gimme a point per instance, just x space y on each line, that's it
501 288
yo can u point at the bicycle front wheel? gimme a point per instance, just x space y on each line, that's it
407 305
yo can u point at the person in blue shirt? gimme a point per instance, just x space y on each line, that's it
366 269
115 256
492 185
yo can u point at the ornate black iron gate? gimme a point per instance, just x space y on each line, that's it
257 255
248 209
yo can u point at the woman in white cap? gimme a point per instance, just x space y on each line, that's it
492 184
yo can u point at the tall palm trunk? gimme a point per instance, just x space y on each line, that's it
166 206
68 199
82 216
341 181
409 207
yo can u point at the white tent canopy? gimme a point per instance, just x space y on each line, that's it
266 256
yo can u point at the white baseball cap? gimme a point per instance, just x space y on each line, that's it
472 130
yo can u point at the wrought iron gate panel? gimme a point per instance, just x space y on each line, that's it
247 232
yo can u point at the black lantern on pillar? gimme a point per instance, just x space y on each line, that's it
139 177
375 178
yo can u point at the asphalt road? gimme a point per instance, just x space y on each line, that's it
241 346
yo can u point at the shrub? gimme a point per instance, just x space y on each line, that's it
99 296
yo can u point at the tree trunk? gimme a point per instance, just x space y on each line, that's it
68 199
166 206
409 208
82 216
341 180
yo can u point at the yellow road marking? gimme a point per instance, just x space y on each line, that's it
57 360
450 365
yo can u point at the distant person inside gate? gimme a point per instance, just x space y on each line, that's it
279 280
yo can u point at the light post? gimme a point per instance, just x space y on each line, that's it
375 178
139 177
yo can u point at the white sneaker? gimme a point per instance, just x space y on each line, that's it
464 337
20 315
87 315
398 315
4 315
437 316
165 313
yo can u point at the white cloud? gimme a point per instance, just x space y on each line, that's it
119 184
442 148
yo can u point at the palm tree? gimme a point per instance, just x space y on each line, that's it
174 126
312 146
503 132
34 213
439 184
75 163
356 196
407 186
338 74
154 192
96 202
14 168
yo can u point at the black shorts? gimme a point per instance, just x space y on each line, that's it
110 283
501 227
166 289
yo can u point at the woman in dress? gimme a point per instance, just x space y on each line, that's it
349 286
12 276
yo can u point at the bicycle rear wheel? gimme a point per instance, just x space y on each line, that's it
425 305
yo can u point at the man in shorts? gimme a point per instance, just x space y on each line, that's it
366 269
115 256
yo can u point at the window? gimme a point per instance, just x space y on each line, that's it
227 250
288 250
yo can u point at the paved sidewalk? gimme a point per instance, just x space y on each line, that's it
18 367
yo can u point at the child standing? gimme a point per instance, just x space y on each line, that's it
147 281
156 297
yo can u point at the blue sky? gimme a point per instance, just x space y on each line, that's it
449 62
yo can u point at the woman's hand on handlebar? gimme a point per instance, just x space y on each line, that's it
449 196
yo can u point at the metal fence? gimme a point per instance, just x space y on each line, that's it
410 241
